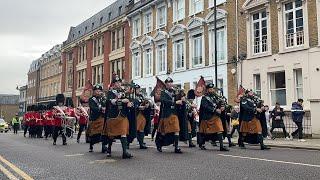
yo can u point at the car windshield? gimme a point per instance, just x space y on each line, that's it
1 121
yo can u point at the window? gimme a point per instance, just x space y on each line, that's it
179 10
109 16
161 16
221 46
161 58
298 83
98 46
119 10
278 88
257 84
94 48
117 67
81 55
123 37
119 38
211 3
197 50
136 27
260 32
113 40
196 6
92 25
148 23
136 64
101 20
148 62
179 54
81 78
97 74
294 30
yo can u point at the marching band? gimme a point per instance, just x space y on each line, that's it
124 113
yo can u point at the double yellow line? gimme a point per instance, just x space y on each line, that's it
14 168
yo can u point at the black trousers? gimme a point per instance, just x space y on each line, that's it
283 130
82 127
56 132
25 130
155 127
48 131
15 128
299 130
234 128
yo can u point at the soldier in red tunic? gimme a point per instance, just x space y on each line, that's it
82 116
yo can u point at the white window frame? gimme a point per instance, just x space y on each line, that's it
211 3
296 85
148 63
145 17
270 76
257 89
136 64
295 34
192 38
164 54
192 4
163 5
176 15
136 27
260 20
175 54
212 47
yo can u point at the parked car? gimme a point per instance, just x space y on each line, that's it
4 127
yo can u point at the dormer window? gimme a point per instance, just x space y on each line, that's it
92 26
101 19
110 15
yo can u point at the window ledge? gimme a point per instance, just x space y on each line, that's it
265 54
179 70
162 73
148 75
194 14
293 49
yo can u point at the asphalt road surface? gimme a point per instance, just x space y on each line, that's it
25 158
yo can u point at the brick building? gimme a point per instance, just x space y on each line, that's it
22 100
95 49
33 83
9 106
176 38
50 75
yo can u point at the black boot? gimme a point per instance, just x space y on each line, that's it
240 141
222 148
124 143
262 145
176 145
158 142
109 149
140 137
229 140
191 145
91 147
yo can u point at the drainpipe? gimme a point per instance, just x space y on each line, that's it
237 47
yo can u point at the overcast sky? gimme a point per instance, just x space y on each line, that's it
29 28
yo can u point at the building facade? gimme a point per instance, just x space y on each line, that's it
33 83
50 75
282 50
9 106
95 50
176 38
22 100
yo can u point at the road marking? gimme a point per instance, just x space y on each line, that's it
103 161
7 173
270 160
73 155
16 169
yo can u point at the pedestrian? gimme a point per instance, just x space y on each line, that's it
297 117
15 123
277 115
267 113
235 120
262 117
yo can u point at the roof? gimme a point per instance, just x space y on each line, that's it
53 53
6 99
116 9
135 6
34 66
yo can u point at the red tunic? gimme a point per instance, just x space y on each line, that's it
49 120
82 116
32 117
57 114
26 119
38 119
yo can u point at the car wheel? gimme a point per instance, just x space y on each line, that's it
6 131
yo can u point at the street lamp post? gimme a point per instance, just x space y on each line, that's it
215 44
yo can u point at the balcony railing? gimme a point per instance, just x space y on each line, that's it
295 39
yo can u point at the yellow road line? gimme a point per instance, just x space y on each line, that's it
16 169
7 173
73 155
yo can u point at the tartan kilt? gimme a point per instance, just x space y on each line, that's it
169 125
251 127
211 126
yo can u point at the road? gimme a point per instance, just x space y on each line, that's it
25 158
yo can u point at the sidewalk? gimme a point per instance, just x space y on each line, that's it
310 144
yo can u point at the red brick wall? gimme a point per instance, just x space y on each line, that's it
89 52
127 72
106 64
63 77
75 77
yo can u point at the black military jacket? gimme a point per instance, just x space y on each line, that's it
114 109
95 108
208 107
168 103
247 109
